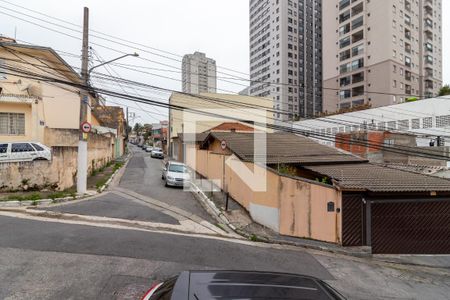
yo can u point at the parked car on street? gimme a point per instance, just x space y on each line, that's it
176 174
24 151
241 285
157 153
148 149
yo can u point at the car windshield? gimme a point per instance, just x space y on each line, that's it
178 169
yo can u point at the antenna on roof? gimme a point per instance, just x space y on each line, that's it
15 33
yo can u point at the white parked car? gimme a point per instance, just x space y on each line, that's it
148 149
157 153
24 151
176 174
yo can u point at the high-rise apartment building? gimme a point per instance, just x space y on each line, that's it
286 55
381 52
199 74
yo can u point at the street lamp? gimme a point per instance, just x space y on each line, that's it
112 60
82 164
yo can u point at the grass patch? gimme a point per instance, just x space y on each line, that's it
35 196
255 238
101 183
57 195
117 166
14 197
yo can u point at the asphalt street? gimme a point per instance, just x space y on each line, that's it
143 176
114 206
66 259
93 243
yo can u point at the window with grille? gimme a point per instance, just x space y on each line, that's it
443 121
392 125
415 123
428 122
403 125
12 124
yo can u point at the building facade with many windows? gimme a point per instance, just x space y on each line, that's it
381 52
199 74
286 55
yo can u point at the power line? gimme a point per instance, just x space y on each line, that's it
347 123
394 149
111 36
109 48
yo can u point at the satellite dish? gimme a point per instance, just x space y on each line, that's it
34 90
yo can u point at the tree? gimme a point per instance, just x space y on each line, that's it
445 90
138 128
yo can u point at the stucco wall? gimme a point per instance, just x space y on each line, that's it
290 206
60 173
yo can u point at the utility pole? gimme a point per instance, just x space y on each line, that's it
84 101
128 124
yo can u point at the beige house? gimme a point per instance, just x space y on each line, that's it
29 106
196 114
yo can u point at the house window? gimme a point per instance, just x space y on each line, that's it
12 124
2 74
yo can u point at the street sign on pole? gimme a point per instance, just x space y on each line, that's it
223 145
86 127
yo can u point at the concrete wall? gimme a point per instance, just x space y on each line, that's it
60 173
291 206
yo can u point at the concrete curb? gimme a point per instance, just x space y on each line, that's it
211 207
45 202
217 213
186 227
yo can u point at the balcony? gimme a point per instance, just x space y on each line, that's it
408 75
428 34
429 72
344 55
428 8
429 59
407 6
345 81
408 48
358 91
407 89
356 37
429 47
408 34
358 22
358 77
344 16
357 9
428 23
429 84
343 4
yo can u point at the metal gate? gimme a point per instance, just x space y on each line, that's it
352 220
411 227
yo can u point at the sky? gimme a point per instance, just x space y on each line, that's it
218 28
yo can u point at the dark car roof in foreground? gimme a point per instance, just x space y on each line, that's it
249 285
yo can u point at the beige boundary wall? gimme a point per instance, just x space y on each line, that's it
60 172
291 206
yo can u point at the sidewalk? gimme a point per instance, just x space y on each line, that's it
238 219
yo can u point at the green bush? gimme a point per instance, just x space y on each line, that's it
57 195
117 166
35 196
15 197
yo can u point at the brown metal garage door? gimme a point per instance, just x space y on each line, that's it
352 220
414 227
